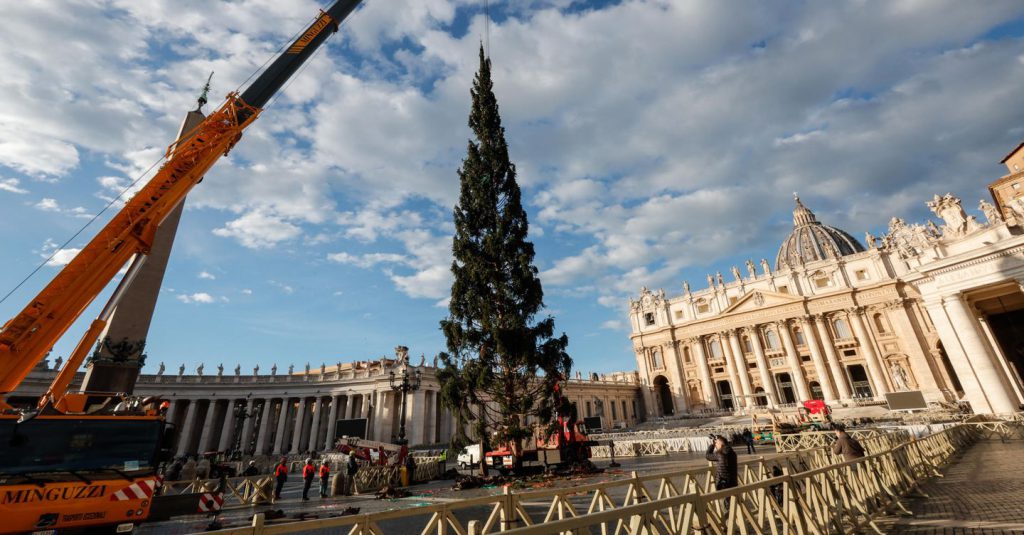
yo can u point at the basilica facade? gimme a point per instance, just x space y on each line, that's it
930 307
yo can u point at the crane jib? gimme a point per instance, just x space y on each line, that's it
270 81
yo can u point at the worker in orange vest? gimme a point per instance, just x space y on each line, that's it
325 474
308 472
281 475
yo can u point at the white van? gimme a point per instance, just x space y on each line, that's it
469 456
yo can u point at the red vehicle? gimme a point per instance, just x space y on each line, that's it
567 446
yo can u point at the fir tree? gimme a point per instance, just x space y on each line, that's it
502 362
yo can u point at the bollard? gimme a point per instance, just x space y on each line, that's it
337 484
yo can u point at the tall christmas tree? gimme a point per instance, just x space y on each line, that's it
502 363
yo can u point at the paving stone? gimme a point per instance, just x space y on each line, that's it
982 492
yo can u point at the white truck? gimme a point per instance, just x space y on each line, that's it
469 456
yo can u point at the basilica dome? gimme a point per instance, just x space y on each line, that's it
811 240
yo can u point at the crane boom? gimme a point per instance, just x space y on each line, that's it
26 338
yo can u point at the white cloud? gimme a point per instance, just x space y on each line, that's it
196 298
613 325
48 205
62 257
258 230
246 291
11 185
368 260
282 286
206 275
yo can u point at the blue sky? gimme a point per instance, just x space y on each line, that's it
656 142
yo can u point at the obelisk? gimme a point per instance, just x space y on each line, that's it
121 350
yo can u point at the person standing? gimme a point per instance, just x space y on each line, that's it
350 476
325 474
281 475
748 439
308 472
724 457
251 470
846 445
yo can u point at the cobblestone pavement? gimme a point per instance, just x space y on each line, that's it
982 492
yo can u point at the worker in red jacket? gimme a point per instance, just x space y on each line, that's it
308 472
325 475
281 475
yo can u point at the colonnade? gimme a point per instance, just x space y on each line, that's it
278 425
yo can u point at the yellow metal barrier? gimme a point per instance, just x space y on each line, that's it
816 494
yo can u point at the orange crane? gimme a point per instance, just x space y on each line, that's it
89 459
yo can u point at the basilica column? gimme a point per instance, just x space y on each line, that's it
228 429
762 366
676 370
186 428
838 373
705 374
317 410
920 364
282 422
867 345
261 440
332 422
793 358
994 396
819 361
739 361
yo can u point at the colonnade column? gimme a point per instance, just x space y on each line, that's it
300 416
282 422
186 428
211 416
819 361
250 421
705 374
228 428
838 373
261 440
868 346
994 394
794 361
762 366
416 413
739 360
317 412
332 422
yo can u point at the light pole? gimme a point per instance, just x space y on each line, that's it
409 382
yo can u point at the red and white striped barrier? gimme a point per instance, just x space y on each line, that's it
210 502
140 490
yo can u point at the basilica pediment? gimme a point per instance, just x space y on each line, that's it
760 299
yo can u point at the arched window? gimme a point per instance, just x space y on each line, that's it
842 329
772 339
656 359
716 349
747 346
686 358
880 323
798 336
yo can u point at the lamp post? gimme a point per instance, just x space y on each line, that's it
408 383
240 415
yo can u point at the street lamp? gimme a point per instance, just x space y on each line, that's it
240 415
407 384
